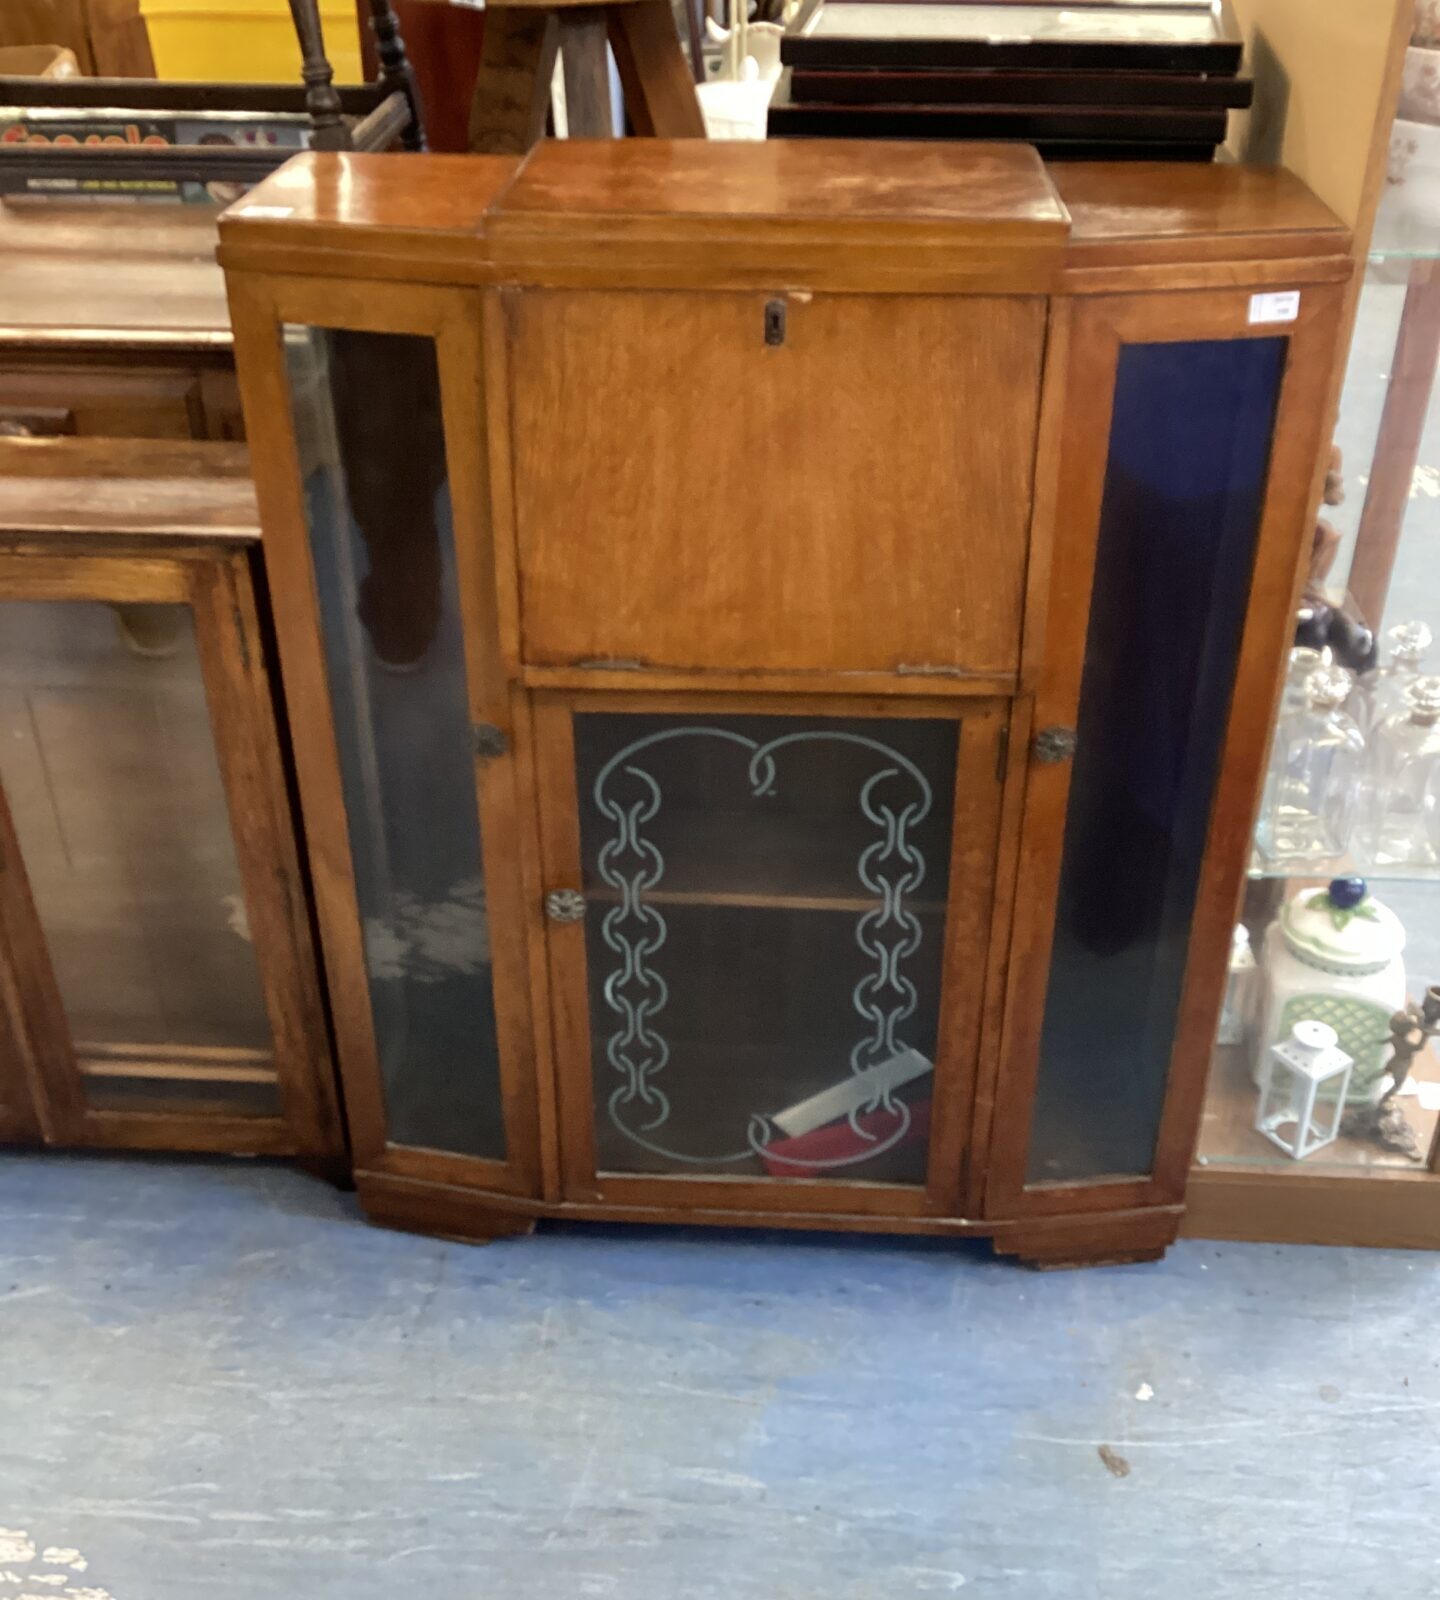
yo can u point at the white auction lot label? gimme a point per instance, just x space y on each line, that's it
1283 306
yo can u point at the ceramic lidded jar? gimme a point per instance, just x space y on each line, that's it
1334 955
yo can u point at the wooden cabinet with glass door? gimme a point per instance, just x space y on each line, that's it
685 558
158 983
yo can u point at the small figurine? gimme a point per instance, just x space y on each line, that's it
1319 624
1385 1123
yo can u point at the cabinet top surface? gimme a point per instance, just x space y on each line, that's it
375 194
826 214
823 214
996 186
1150 205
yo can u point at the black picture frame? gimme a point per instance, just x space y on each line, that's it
1220 55
981 86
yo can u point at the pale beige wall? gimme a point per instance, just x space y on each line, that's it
1325 74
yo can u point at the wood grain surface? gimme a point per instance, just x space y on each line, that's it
882 529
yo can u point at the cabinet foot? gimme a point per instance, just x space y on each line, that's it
439 1211
334 1170
1104 1240
1041 1262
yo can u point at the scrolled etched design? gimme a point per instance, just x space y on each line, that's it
896 798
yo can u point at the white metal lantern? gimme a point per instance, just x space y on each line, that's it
1303 1085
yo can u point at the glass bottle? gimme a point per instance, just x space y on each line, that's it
1239 989
1398 825
1382 692
1315 772
1303 661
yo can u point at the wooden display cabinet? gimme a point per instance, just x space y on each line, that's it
780 642
158 980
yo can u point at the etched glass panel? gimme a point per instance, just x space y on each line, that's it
108 761
372 452
1184 488
764 940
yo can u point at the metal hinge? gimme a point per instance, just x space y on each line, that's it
490 740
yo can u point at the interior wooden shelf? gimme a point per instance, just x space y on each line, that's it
798 864
1228 1136
175 1063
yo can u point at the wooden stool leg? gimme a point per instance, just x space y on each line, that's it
512 90
587 73
659 91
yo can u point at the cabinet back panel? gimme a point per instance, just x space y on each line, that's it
854 498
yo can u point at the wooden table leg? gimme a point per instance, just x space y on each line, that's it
1397 445
512 91
659 91
586 62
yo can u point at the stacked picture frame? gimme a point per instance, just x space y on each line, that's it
1113 79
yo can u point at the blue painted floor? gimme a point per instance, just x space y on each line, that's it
216 1381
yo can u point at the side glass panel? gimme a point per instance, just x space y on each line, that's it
372 451
1184 487
764 940
108 763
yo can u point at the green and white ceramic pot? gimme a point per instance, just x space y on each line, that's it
1335 956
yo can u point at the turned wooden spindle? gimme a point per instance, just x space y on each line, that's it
322 100
395 69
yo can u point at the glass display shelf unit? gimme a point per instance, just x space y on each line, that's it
1373 564
1346 866
1228 1135
1407 243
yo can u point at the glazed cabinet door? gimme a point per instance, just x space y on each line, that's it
20 1121
767 927
158 983
1189 446
365 414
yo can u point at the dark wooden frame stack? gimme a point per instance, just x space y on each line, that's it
1082 99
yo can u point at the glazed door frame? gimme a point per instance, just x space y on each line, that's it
261 305
1096 333
25 1114
217 587
1099 328
973 869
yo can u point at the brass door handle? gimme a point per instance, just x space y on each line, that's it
564 905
